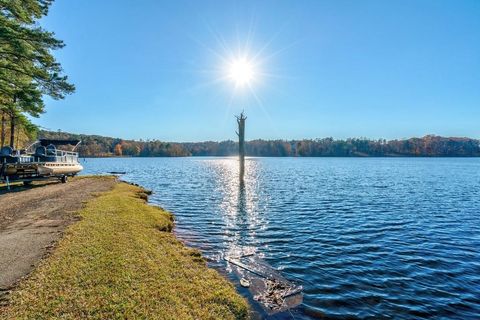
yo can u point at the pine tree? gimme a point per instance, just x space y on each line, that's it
28 70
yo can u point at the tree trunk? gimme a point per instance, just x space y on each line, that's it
18 137
12 131
12 122
241 144
2 133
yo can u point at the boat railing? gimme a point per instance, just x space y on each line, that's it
62 156
61 153
67 156
57 156
26 159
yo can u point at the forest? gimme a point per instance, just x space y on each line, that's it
428 146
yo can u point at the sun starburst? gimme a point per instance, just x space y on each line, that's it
241 71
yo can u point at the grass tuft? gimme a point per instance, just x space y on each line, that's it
120 261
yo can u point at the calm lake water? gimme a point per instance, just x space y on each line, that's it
375 238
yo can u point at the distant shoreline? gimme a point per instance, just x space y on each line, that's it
427 146
297 157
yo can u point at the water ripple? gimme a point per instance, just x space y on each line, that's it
367 238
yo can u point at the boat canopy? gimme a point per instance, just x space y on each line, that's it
58 142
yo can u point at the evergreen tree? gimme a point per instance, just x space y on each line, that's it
28 70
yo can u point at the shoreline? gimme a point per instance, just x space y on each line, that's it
292 157
121 259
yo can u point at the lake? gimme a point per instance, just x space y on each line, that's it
366 237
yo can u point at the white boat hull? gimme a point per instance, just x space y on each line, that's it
32 171
57 169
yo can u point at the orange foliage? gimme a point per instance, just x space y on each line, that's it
118 149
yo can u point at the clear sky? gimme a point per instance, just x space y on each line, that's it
379 69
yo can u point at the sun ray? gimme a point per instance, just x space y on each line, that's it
274 75
264 110
250 33
211 50
275 53
228 108
270 41
242 66
219 39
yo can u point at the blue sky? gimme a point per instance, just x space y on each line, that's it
379 69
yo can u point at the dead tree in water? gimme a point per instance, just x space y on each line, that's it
241 143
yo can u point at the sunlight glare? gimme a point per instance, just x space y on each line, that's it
241 72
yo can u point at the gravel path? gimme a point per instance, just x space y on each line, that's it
33 219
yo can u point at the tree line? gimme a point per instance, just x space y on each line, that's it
428 146
28 69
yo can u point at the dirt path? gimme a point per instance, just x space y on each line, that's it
33 219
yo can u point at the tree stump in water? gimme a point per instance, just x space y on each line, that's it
241 144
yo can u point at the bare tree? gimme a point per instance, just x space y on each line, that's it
241 143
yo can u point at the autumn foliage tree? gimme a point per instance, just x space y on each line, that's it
118 149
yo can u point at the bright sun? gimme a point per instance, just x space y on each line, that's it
241 71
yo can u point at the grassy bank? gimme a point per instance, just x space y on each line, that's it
121 261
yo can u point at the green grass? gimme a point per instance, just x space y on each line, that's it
121 261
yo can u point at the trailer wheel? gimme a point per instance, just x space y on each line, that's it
64 179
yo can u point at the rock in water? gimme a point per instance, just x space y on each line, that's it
245 283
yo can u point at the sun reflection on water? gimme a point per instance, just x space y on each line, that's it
239 204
